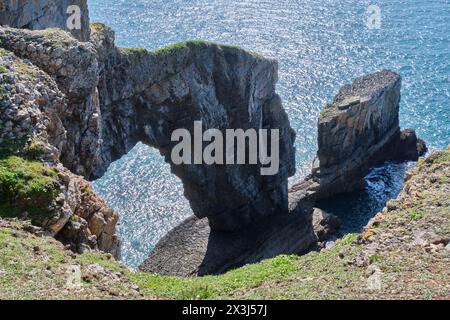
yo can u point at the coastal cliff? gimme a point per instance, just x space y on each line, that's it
70 108
403 253
84 105
119 97
36 15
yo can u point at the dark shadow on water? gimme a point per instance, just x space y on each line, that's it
356 209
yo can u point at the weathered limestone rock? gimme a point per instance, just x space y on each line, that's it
359 130
146 96
93 224
117 98
98 101
43 14
325 224
193 249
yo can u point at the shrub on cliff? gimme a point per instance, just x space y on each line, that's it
25 186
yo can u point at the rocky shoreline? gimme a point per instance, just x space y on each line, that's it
72 104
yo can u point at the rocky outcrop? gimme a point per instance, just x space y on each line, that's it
103 100
93 223
147 96
194 249
325 225
403 253
37 15
32 116
359 130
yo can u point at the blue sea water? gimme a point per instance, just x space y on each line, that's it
320 45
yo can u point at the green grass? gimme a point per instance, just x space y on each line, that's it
277 269
34 149
134 50
328 274
3 69
210 287
180 46
24 177
416 214
59 37
441 157
375 258
97 26
328 110
25 185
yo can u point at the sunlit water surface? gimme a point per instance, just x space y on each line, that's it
320 45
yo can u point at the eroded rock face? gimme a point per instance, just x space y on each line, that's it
43 14
98 101
194 249
356 128
359 130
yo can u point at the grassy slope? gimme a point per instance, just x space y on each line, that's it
26 185
404 247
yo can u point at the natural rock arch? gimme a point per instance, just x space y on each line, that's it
119 97
225 88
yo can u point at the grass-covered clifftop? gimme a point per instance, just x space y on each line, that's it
404 253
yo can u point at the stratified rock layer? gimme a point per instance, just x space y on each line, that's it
360 129
32 111
98 101
193 249
147 96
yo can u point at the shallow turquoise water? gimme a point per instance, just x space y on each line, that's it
320 45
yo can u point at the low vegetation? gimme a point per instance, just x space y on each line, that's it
177 47
59 37
329 110
26 185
